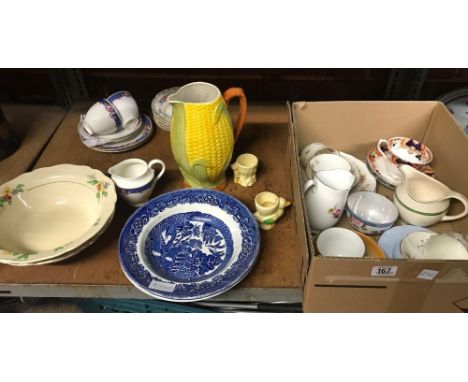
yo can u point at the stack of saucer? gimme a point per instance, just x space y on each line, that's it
418 243
114 124
162 109
385 159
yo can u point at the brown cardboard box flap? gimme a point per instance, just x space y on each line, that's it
298 213
355 126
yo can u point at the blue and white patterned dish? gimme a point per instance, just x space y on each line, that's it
189 245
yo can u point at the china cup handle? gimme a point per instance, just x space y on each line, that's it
461 198
379 144
163 167
309 184
230 94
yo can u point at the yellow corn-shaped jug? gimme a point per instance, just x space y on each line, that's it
202 135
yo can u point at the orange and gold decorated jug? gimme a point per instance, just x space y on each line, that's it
202 134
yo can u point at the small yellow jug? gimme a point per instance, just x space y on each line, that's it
202 135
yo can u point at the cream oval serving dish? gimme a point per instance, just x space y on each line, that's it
53 210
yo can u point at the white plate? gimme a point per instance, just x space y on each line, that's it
131 142
365 181
51 211
378 165
114 137
189 245
163 124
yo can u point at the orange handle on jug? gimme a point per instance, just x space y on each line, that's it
230 94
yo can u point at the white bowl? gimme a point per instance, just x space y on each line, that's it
370 213
412 246
444 247
340 242
312 149
53 210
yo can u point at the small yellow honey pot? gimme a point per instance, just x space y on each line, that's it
270 208
245 169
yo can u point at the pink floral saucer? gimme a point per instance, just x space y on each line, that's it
386 169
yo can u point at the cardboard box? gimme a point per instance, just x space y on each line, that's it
347 285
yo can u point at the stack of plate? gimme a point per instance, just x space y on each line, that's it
162 109
124 140
189 245
52 213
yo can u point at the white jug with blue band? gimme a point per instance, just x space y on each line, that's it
135 179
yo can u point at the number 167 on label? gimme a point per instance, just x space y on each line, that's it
384 270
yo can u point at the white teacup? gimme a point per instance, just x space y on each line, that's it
126 105
323 162
311 150
340 242
412 246
102 118
444 247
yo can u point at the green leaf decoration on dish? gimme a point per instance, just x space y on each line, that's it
269 221
18 189
59 248
22 256
101 187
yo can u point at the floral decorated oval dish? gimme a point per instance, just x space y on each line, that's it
51 211
386 168
189 245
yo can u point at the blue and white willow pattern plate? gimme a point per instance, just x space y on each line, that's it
189 245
